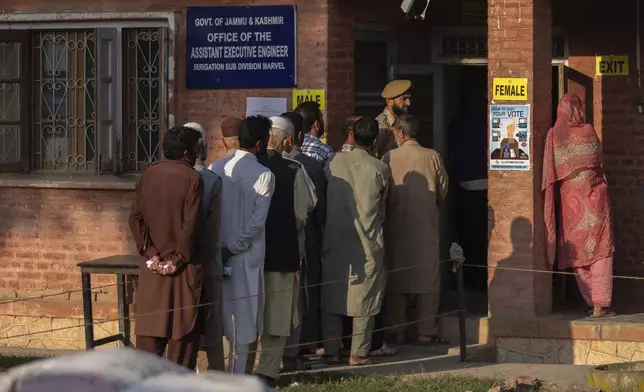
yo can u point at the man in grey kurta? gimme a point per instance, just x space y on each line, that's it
412 231
309 299
354 251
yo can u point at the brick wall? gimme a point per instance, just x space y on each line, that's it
514 197
44 233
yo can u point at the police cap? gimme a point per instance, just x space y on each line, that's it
396 88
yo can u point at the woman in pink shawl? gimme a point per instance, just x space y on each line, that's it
577 208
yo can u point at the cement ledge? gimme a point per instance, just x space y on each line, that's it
60 181
619 328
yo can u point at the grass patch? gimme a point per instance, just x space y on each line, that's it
342 383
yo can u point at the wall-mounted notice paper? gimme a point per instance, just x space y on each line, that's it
265 106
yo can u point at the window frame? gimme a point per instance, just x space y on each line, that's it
438 33
24 38
117 162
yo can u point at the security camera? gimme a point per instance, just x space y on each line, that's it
408 5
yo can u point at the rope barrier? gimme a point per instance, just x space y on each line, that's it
69 292
276 292
66 292
360 334
209 303
544 271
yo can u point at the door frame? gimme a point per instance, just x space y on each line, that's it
436 71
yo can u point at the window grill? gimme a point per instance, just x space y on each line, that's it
474 46
82 100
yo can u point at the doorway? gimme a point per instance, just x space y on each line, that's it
465 97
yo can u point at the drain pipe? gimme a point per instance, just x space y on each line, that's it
640 107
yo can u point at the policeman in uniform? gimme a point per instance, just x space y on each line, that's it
397 94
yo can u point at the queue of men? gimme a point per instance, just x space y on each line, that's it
284 244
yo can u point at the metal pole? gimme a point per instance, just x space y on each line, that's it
461 312
124 310
88 318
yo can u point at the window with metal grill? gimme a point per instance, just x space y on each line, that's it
83 100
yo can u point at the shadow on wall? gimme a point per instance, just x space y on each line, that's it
510 292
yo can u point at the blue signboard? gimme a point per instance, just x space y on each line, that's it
241 47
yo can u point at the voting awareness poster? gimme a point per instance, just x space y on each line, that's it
233 47
509 137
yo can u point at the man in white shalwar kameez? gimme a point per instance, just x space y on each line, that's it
246 196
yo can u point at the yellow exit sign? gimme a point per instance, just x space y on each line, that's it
612 65
510 89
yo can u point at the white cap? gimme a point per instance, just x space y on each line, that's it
284 124
196 127
203 142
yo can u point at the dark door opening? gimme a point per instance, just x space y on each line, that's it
466 94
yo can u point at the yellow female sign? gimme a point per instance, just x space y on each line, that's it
510 89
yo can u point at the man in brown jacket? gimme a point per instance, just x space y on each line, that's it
162 220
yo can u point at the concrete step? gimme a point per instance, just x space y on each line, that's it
476 329
476 352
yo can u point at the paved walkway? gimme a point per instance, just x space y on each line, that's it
432 362
425 362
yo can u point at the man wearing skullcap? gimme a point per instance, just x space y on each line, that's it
229 131
397 95
247 188
290 206
208 254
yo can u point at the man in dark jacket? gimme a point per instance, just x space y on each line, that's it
290 206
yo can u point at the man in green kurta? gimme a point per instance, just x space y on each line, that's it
353 256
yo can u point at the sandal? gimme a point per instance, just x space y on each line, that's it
384 351
359 361
433 341
604 313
